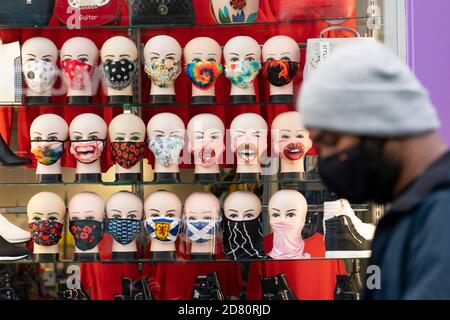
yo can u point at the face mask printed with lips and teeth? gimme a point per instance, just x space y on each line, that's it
292 149
87 151
247 152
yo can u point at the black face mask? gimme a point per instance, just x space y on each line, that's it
119 74
87 233
362 173
243 239
280 72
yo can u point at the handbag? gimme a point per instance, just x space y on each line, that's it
26 13
312 9
79 13
145 12
319 49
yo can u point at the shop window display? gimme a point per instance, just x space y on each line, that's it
217 94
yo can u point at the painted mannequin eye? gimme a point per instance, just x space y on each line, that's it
196 60
250 59
93 138
270 59
300 136
290 215
53 138
37 138
131 216
46 60
120 139
233 216
75 219
84 60
52 219
284 136
192 218
215 137
249 216
117 216
37 219
135 138
286 59
234 59
76 138
154 215
275 215
170 215
212 60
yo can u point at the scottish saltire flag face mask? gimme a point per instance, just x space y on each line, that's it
202 231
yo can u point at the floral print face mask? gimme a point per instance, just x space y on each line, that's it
242 73
163 72
166 149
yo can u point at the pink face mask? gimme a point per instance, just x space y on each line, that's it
87 151
208 152
292 149
287 240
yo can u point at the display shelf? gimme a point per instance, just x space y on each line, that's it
178 261
263 24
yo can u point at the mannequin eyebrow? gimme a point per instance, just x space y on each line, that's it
115 210
155 53
109 56
160 131
249 210
171 210
285 130
38 213
125 55
174 131
121 133
93 132
250 54
275 209
286 53
67 55
206 212
232 210
138 133
82 55
291 210
53 214
89 211
30 54
37 133
201 132
170 54
235 54
133 211
156 210
52 133
47 56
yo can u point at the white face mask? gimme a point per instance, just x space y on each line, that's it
40 75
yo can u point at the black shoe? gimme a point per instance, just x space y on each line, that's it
71 294
342 240
9 158
127 287
283 285
207 288
347 287
282 295
140 290
10 252
269 286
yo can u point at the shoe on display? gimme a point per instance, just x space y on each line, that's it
12 233
276 288
348 287
7 291
9 158
10 252
283 285
140 290
346 236
207 288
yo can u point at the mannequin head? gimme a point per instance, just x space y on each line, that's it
124 211
88 133
248 138
206 135
127 136
225 11
166 140
242 64
39 56
48 132
162 56
288 205
46 211
242 206
86 213
281 56
119 67
79 58
163 213
203 58
290 139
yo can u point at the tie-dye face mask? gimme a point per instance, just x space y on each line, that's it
163 72
203 74
47 152
243 73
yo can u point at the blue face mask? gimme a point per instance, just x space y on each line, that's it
202 231
124 231
163 230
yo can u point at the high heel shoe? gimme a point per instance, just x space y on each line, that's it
9 158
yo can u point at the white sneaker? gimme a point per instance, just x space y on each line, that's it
12 233
342 207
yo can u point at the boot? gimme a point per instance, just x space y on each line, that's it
269 287
283 285
127 287
140 290
282 295
215 289
347 287
207 288
9 158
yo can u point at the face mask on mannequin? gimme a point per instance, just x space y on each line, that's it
280 72
292 149
124 231
45 232
127 154
77 73
47 152
87 233
162 229
361 174
202 231
242 73
287 240
166 149
203 74
40 75
163 72
87 151
119 74
243 239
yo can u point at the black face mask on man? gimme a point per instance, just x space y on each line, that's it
362 173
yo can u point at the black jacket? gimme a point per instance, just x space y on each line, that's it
412 242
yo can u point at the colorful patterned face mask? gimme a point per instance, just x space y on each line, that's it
166 149
242 73
40 75
202 231
204 74
280 72
45 232
77 73
163 230
128 153
47 152
119 74
163 72
124 231
87 233
87 151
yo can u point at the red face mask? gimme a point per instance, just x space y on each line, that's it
77 73
127 154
